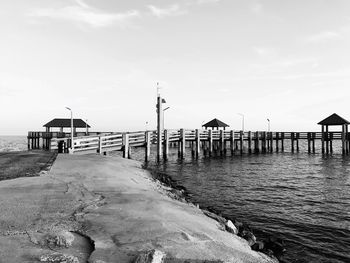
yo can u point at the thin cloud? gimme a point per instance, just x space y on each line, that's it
257 8
85 14
264 51
323 36
173 10
207 1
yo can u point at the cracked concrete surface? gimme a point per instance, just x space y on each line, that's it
116 204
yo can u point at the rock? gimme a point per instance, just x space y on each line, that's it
58 258
220 219
258 246
60 239
230 227
152 256
276 245
247 235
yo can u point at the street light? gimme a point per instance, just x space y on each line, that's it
71 128
242 120
163 115
268 125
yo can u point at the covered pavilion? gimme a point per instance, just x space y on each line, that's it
335 120
66 123
215 123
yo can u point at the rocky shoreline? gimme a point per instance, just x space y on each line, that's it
271 246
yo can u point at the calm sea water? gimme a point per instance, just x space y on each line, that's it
302 198
13 143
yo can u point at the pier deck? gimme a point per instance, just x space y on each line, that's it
207 141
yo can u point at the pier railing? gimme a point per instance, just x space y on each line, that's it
207 140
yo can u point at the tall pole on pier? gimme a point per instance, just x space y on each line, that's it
160 116
268 125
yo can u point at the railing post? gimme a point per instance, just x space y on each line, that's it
232 142
222 142
183 143
271 142
198 143
210 134
125 145
148 145
241 138
166 144
100 145
250 142
256 142
298 136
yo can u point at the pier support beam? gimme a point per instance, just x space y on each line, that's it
198 143
166 145
232 142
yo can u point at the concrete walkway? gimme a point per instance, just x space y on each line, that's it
106 209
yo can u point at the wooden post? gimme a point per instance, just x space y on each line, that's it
241 138
250 142
322 139
331 142
327 140
210 142
313 141
99 144
347 139
271 141
198 143
148 145
282 141
343 139
256 142
166 145
183 143
232 142
263 142
292 141
125 145
277 140
298 136
222 142
309 142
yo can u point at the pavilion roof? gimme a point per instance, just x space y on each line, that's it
66 123
215 123
333 119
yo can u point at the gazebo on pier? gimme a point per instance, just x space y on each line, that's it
334 120
215 123
66 123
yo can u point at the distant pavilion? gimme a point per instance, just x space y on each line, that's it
334 120
66 123
215 123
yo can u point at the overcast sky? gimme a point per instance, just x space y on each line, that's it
286 60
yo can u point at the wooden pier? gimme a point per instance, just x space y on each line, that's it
207 142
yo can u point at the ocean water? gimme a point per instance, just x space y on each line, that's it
13 143
302 198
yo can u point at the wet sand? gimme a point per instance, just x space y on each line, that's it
107 209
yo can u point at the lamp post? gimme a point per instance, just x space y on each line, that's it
71 129
268 125
242 120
